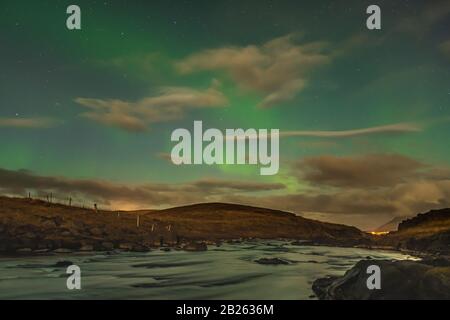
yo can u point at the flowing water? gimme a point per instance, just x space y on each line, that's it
226 272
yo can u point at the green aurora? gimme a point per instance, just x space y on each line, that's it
326 70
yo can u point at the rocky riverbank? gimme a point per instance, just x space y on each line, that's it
33 226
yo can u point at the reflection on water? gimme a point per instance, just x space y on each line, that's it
226 272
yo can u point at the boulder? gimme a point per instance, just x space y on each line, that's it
66 233
126 246
87 247
139 248
195 246
71 243
62 250
400 280
63 264
107 246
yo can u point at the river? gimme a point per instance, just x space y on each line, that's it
226 272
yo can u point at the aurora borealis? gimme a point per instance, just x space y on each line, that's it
363 114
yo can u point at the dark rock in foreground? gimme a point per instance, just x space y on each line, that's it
400 280
195 246
274 261
63 264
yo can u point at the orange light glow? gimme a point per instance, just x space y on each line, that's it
379 233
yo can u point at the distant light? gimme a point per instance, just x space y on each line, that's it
379 233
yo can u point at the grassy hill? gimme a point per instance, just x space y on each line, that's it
29 225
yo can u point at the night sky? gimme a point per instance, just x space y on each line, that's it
88 113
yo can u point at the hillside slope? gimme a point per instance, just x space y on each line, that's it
231 221
29 225
427 232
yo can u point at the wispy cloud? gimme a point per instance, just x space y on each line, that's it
169 104
387 129
140 195
396 128
28 123
371 170
279 68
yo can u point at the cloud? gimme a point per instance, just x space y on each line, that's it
29 123
351 202
18 182
374 170
397 128
388 129
365 208
140 196
279 69
364 190
170 104
367 189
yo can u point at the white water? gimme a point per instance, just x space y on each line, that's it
227 272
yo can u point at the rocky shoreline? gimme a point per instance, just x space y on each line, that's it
110 248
